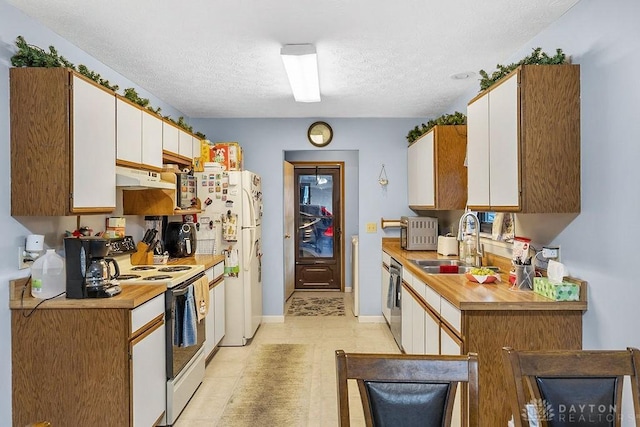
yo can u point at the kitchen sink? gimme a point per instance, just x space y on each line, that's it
435 262
445 266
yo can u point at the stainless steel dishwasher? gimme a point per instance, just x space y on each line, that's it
393 300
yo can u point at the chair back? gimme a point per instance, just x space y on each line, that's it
407 390
570 387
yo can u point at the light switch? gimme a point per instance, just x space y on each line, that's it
372 227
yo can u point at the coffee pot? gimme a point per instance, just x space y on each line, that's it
88 269
98 273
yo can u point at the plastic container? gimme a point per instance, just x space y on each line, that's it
469 245
48 278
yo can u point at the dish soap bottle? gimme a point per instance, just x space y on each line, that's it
48 278
469 246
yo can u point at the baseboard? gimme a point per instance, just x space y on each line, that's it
371 319
273 319
348 289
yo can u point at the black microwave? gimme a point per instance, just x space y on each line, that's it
186 196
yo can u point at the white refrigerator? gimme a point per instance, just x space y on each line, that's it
232 215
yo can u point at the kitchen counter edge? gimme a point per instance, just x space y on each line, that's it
131 296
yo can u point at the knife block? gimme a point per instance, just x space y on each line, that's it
142 256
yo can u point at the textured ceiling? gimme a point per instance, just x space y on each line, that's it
214 58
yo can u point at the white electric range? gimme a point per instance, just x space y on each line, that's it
185 365
169 275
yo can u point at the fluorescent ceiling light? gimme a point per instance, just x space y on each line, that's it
301 63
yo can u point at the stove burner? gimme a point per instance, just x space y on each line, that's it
158 277
128 276
143 268
175 268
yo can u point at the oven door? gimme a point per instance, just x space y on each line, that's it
179 355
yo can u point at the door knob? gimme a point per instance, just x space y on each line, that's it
287 236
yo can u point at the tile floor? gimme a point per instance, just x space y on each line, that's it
326 334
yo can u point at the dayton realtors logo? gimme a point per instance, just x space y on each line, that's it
541 410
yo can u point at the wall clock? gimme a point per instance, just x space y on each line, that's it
320 134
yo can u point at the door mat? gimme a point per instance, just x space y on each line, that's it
274 389
316 306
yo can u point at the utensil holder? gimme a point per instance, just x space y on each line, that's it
142 256
524 276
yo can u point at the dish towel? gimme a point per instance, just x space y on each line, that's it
201 288
391 296
231 265
189 332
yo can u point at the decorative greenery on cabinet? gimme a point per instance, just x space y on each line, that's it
537 57
456 118
33 56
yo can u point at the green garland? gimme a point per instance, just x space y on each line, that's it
456 118
34 56
537 57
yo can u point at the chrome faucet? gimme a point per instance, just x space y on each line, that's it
479 253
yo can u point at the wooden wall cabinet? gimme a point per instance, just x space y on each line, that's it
90 366
63 146
138 136
436 176
524 142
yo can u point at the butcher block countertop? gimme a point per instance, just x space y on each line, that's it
131 296
466 295
207 261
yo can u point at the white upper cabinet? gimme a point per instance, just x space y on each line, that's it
139 136
185 144
94 146
420 161
493 147
151 140
129 132
504 186
170 137
478 152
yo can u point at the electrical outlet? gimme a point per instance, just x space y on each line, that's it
551 252
22 264
372 227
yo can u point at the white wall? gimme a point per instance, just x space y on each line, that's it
377 141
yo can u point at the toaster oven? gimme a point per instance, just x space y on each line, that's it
418 233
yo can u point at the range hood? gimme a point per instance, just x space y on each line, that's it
135 179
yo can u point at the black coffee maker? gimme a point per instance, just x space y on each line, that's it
88 269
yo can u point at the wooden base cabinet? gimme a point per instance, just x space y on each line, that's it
63 143
90 366
464 326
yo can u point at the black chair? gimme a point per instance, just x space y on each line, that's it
569 388
407 390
